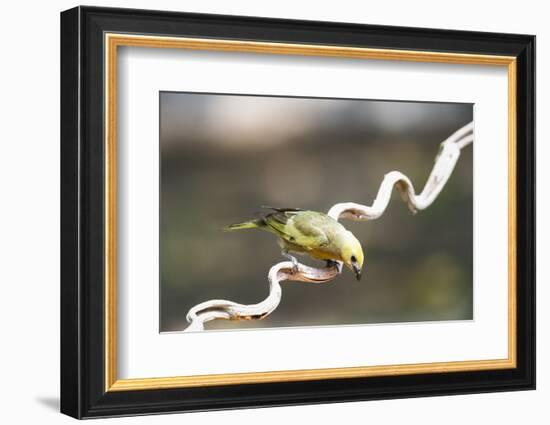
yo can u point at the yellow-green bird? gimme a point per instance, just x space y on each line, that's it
309 232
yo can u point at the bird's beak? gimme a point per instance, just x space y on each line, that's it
357 271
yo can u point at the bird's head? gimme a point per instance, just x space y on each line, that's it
352 254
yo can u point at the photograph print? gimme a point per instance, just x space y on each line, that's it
299 212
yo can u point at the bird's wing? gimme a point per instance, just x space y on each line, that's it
306 231
277 221
282 210
302 228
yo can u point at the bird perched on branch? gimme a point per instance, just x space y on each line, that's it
309 232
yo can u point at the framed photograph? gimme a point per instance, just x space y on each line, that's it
261 212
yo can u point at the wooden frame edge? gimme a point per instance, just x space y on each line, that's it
114 40
306 375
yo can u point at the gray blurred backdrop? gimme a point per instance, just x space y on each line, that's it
223 156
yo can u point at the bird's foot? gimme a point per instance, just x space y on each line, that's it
337 264
295 269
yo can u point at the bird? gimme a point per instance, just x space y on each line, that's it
309 232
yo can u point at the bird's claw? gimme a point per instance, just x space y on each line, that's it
295 269
336 264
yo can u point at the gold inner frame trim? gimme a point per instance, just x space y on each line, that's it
113 41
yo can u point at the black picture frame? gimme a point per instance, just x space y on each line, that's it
83 392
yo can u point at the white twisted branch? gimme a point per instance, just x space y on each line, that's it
444 165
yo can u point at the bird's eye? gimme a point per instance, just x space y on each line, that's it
353 259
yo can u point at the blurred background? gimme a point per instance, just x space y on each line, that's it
223 156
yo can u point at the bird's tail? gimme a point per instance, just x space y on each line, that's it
252 224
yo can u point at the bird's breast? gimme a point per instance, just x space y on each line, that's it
324 254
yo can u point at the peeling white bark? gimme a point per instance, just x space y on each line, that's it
442 170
